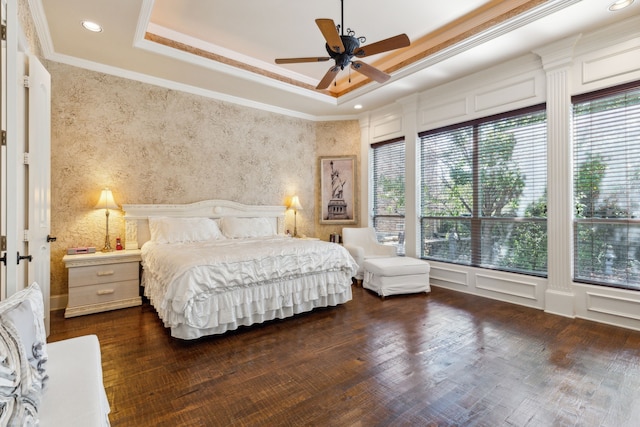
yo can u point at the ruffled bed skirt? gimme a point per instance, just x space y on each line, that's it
215 313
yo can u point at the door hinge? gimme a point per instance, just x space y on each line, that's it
3 32
25 158
25 81
3 137
3 243
25 236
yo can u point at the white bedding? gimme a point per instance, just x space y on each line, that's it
204 288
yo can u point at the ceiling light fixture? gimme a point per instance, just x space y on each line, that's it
620 4
92 26
358 106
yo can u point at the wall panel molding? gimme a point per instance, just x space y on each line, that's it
511 287
504 92
388 127
444 112
449 276
609 304
508 93
613 65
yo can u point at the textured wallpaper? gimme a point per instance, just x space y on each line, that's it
336 139
155 145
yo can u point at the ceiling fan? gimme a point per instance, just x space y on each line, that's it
343 48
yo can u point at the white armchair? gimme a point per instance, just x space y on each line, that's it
362 244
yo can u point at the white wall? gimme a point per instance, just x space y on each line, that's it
551 74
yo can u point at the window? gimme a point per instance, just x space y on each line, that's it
387 166
606 182
484 192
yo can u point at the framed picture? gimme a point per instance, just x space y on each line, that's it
338 190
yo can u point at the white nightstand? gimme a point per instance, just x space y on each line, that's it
102 281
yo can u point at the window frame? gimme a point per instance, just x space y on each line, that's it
475 219
594 221
375 217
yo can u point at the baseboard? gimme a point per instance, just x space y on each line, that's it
560 303
58 302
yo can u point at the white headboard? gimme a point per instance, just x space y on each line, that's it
137 224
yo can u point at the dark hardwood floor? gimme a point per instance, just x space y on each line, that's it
446 359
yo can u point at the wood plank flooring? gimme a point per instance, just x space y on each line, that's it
444 359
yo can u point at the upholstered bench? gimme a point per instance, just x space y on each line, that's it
396 275
47 384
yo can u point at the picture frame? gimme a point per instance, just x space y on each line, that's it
338 189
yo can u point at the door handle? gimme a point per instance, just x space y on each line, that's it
51 239
4 259
27 257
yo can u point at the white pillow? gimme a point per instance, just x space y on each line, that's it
23 354
177 230
239 228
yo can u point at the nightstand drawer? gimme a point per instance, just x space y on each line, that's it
105 273
102 293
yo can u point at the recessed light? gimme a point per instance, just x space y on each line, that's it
358 106
620 4
92 26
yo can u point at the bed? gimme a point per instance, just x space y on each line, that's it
213 266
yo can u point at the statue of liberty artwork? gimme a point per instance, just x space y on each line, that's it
337 183
337 206
337 190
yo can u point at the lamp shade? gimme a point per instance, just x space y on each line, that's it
295 204
106 200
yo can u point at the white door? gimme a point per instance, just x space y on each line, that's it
39 165
24 177
15 200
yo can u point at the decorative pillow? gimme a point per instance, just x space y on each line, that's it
238 228
177 230
23 351
17 406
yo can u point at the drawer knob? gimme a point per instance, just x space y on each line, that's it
105 273
105 291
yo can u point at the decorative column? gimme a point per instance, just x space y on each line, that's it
365 144
557 63
411 188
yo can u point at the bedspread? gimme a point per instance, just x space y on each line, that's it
237 278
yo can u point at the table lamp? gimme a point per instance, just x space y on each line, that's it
106 202
296 206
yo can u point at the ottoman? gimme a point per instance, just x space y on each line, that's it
396 275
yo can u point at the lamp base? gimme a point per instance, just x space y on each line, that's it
295 223
107 245
107 240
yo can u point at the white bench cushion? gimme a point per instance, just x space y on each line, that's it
75 394
396 266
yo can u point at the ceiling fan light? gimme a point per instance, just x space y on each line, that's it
343 47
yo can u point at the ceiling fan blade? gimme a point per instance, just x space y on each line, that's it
330 33
328 78
297 60
396 42
369 71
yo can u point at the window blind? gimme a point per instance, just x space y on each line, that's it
388 191
606 127
483 192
